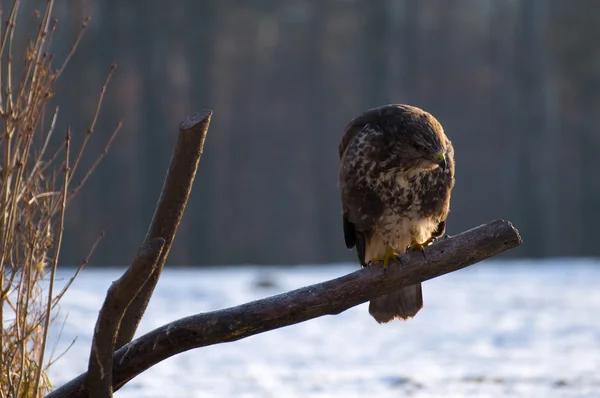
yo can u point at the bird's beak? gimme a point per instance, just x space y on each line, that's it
441 160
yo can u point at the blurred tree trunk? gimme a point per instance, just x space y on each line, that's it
297 84
78 95
502 107
263 144
340 85
76 233
125 219
575 55
226 75
531 112
190 51
412 43
547 165
374 52
150 29
323 232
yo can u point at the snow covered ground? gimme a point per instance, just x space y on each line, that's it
497 329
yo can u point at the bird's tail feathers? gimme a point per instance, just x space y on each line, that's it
401 304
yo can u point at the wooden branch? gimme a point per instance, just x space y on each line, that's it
331 297
120 294
169 210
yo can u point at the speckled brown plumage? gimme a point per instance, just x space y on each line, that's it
395 189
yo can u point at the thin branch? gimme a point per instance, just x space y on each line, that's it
99 159
42 195
39 45
10 33
50 162
327 298
39 159
169 210
92 126
52 358
84 26
119 296
85 262
59 237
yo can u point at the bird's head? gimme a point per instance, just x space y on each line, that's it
425 150
401 138
419 142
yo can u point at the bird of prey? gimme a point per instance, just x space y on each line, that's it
396 179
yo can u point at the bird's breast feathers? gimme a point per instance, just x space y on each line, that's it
414 205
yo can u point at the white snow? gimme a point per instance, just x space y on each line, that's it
498 329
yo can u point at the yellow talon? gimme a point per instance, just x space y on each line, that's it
389 254
414 245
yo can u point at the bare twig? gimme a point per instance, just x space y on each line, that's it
327 298
52 358
9 92
119 296
84 26
40 156
99 159
85 262
92 126
59 235
169 210
10 26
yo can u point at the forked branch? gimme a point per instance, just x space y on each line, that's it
127 298
169 211
327 298
120 294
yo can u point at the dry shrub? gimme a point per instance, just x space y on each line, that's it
36 177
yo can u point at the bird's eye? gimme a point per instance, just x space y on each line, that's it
417 146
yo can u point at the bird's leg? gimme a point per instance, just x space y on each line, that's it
415 245
389 254
446 236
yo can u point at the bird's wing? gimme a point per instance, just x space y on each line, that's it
355 238
349 231
351 237
441 228
357 225
355 126
350 132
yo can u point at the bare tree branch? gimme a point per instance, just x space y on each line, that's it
169 210
331 297
120 294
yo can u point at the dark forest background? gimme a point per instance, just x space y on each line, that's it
516 84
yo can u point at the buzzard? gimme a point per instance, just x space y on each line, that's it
396 178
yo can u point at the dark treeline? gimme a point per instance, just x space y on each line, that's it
515 84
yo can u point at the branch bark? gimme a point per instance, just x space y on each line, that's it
169 210
327 298
119 296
